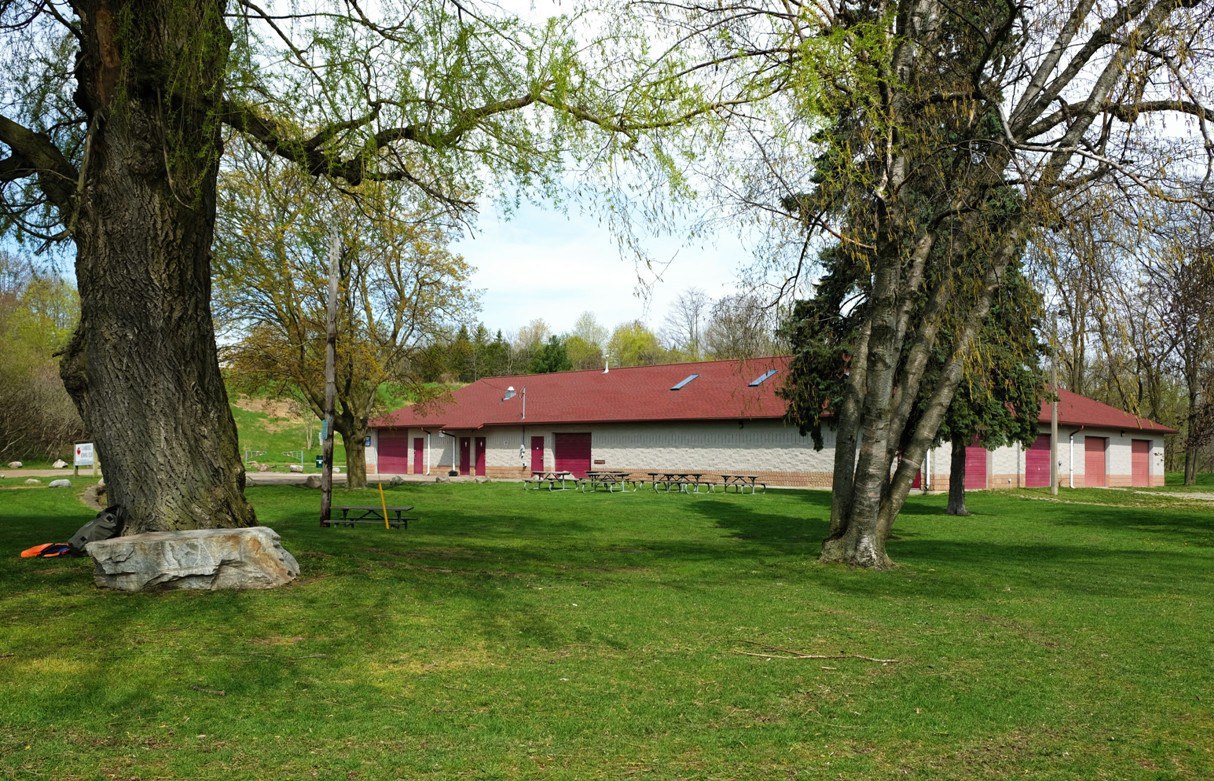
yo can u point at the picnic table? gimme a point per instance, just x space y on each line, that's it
685 482
609 480
352 515
741 482
551 478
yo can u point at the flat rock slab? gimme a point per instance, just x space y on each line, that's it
198 559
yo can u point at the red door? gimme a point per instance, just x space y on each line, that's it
975 466
481 447
1140 463
393 452
1037 463
572 453
465 455
537 454
419 455
1095 470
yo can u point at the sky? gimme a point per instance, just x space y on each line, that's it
540 263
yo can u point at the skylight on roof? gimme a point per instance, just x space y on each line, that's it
762 378
686 380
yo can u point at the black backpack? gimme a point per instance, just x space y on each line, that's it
107 524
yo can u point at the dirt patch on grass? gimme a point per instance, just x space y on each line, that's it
274 408
1197 495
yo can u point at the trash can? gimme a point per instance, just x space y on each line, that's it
320 462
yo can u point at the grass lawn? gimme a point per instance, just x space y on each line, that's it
536 635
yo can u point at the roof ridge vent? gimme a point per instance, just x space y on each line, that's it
684 382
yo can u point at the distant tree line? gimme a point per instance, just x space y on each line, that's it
695 329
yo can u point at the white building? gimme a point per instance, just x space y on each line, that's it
715 417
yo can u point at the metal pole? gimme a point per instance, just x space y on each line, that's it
326 475
1054 411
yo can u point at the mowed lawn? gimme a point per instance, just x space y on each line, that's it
535 635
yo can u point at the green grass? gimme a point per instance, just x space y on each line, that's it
525 635
277 440
1205 481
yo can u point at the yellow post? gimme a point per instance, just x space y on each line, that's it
383 504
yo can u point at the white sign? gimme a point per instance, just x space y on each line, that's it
84 454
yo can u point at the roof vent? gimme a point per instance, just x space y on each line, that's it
762 378
688 379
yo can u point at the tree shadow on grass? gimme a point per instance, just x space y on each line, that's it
1186 527
757 523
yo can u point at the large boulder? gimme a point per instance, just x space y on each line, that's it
14 465
60 464
197 559
60 484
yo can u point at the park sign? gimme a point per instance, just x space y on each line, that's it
84 454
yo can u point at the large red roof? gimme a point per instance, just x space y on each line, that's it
722 391
635 394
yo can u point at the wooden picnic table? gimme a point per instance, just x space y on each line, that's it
351 515
609 480
741 482
540 476
686 482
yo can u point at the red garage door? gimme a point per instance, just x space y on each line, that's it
1095 470
393 451
572 453
1037 463
975 466
1140 464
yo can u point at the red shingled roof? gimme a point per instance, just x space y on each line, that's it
643 394
634 394
1076 410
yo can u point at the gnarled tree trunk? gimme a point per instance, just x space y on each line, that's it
142 366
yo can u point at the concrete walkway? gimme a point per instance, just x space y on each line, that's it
251 478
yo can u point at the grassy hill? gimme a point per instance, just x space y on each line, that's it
278 433
274 431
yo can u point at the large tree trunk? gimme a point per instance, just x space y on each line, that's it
847 438
858 542
956 479
142 366
353 433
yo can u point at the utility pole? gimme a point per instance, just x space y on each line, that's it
326 476
1054 408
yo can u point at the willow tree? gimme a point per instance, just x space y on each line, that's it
111 135
909 130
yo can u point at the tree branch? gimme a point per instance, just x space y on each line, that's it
33 154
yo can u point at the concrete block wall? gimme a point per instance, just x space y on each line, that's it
1006 465
774 452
